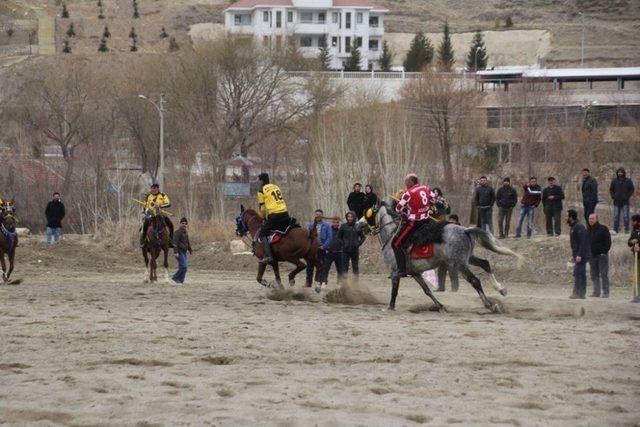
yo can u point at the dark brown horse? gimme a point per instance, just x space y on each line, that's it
156 241
8 241
296 245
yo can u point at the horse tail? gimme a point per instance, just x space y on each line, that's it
489 242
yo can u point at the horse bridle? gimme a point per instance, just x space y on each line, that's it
377 227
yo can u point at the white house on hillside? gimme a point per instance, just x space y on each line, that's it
340 22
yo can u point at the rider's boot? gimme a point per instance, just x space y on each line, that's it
268 257
401 261
170 225
142 237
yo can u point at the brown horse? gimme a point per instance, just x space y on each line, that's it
297 244
8 241
157 239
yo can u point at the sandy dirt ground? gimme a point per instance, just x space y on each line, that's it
86 348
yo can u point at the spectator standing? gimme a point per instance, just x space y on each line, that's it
634 244
600 239
506 199
356 199
181 246
323 231
370 199
485 197
531 196
589 193
621 190
333 254
580 254
55 213
351 239
552 198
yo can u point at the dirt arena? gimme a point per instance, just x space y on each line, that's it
97 348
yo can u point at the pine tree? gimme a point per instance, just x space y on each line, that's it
136 14
508 22
10 32
173 44
101 14
477 53
420 53
353 63
324 57
100 3
445 51
106 33
66 48
163 33
134 46
103 45
386 58
132 34
71 32
65 11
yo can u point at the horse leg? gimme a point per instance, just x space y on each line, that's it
276 271
12 256
475 282
425 287
5 278
299 267
484 264
261 269
154 265
166 263
395 285
453 275
146 266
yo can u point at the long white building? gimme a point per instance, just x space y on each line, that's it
340 22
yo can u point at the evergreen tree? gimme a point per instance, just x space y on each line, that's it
420 53
324 57
163 33
134 46
445 51
66 48
101 14
386 58
136 14
106 33
173 44
10 32
353 63
477 53
103 45
508 22
132 34
100 3
65 11
71 32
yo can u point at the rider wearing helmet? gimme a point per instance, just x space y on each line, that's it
273 209
155 198
414 206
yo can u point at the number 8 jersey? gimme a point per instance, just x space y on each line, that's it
417 200
271 201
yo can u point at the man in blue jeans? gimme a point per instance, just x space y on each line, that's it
181 246
323 231
621 190
580 254
54 213
531 197
600 239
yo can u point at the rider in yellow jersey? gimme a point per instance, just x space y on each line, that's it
273 209
155 198
1 210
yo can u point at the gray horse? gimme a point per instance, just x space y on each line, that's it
456 253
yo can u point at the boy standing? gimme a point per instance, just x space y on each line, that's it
181 246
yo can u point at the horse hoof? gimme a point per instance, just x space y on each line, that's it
496 308
391 308
503 292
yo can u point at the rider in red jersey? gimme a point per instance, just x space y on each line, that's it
414 206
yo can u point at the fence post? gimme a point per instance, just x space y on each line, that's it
403 74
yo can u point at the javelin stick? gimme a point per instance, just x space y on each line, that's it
145 205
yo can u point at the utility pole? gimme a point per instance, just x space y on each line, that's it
160 107
582 50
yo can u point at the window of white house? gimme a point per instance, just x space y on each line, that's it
359 17
334 17
289 16
347 20
306 41
334 41
347 44
374 44
278 19
265 16
306 17
322 18
374 21
242 19
359 41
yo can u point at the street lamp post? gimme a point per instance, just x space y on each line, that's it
160 107
582 48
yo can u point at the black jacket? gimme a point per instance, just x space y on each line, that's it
634 238
55 214
370 200
335 244
350 237
355 202
590 191
485 197
621 190
600 239
506 197
555 204
580 246
181 241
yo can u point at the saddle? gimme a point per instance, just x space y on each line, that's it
276 235
422 238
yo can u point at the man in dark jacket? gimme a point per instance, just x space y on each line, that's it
333 254
580 254
589 193
323 231
531 196
506 199
552 198
485 197
634 244
370 199
621 190
600 239
55 213
351 239
355 201
181 246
